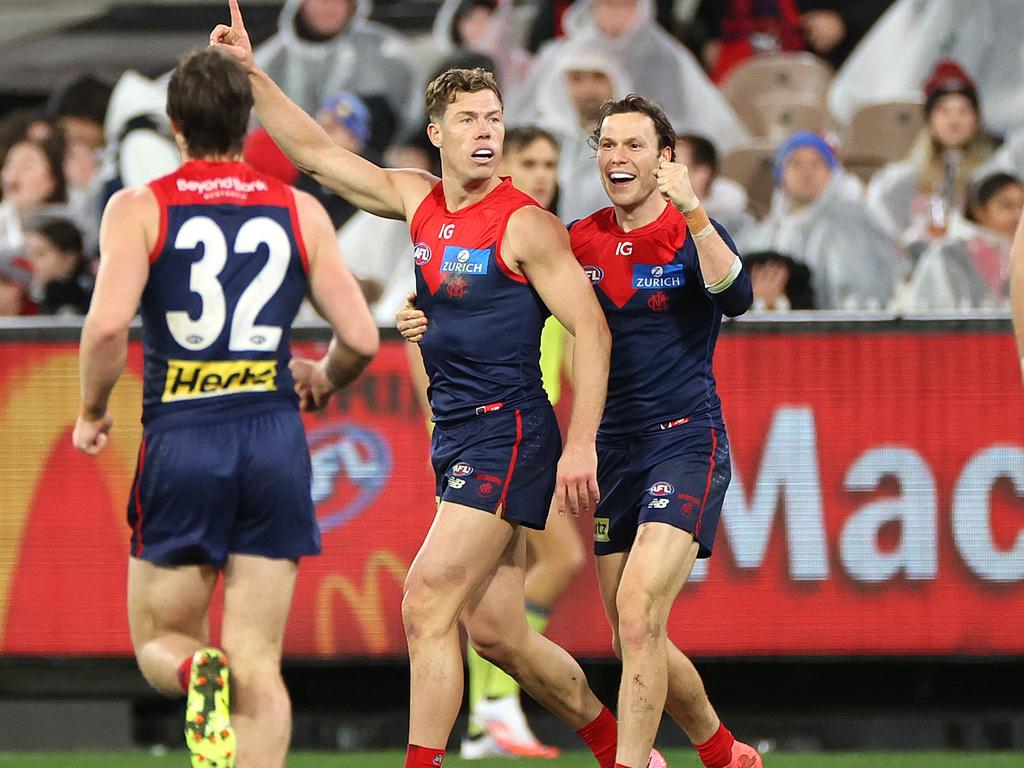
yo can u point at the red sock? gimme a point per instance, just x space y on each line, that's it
423 757
716 752
184 673
602 737
620 765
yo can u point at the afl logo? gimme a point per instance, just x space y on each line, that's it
661 489
462 469
596 274
657 271
422 253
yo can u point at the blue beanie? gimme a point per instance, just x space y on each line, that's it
800 140
351 112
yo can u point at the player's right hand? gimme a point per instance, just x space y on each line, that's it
91 435
411 322
234 40
576 488
312 384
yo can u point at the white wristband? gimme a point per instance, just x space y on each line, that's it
706 232
729 278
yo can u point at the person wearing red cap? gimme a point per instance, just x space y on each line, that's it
912 199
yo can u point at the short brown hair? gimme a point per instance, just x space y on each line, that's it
209 99
523 136
635 103
444 88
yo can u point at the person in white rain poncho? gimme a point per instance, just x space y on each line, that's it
970 267
895 57
813 219
568 100
661 68
326 47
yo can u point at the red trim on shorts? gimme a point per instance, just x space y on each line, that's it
707 488
138 498
512 461
293 212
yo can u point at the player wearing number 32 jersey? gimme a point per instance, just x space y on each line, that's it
218 258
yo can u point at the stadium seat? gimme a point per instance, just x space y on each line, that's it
779 114
752 167
883 132
802 75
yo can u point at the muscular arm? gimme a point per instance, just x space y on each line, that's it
338 298
1017 289
393 194
126 235
537 244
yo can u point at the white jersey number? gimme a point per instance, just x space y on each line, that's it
203 280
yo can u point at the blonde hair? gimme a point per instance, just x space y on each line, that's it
444 88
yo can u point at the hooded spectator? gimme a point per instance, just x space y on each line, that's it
658 65
969 268
853 264
326 47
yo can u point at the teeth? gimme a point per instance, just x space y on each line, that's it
483 153
621 176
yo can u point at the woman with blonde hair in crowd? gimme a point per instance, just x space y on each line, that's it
913 200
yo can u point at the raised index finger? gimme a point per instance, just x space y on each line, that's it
236 16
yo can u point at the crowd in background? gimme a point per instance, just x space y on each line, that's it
765 95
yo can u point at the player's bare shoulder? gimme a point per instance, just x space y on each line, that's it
128 211
533 234
412 185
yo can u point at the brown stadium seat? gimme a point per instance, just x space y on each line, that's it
780 115
803 77
752 168
883 132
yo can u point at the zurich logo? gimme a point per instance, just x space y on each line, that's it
596 274
422 253
657 271
463 256
661 489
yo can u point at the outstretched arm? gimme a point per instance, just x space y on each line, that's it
393 194
1017 289
537 243
124 269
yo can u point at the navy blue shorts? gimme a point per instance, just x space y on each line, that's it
205 491
676 476
502 462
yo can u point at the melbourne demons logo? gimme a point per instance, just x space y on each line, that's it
422 253
596 274
661 489
456 288
658 302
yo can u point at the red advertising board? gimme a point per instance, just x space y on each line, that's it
877 506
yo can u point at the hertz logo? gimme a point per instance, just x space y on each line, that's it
193 379
601 529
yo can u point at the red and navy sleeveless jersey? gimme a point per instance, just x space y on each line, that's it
227 276
663 322
482 351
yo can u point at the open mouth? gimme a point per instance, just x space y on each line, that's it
620 178
483 155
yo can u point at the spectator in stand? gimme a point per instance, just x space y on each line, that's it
969 268
658 65
833 28
912 200
853 264
899 52
32 180
326 47
483 27
61 280
727 32
15 278
779 282
568 102
723 199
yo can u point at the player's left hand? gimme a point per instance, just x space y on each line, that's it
91 435
576 480
674 185
411 322
234 39
312 385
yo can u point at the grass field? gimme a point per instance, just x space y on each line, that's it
676 759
